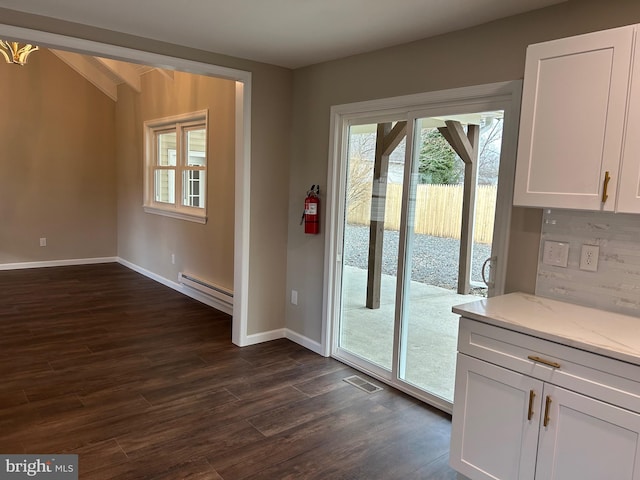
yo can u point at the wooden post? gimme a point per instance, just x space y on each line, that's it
387 139
468 212
466 146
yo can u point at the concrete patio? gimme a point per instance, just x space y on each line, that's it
432 329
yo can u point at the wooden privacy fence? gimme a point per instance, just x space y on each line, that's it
438 210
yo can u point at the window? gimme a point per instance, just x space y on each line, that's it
176 166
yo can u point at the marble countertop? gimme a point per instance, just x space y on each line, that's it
610 334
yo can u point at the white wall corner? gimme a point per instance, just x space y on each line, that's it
306 342
263 337
284 333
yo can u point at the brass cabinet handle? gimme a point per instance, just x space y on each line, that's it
546 411
532 395
543 361
605 185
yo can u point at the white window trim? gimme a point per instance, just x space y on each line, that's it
177 210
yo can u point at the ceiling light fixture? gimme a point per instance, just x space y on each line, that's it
14 53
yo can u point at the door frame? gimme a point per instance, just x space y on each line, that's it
504 96
242 199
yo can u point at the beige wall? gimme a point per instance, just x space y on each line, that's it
148 240
270 155
57 169
290 134
489 53
270 146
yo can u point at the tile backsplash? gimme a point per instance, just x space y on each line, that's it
615 287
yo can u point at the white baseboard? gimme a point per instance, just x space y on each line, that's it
304 341
284 333
57 263
189 292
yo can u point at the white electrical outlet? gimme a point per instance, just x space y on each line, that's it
173 258
589 258
43 241
294 297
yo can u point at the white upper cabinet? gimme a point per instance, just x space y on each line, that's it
573 121
629 185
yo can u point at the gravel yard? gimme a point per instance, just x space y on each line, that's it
435 259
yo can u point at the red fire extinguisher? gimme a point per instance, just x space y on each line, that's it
311 215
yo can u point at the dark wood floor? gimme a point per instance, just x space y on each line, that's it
142 382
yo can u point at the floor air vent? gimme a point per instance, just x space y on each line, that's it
362 384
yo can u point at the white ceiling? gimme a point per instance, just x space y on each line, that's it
290 33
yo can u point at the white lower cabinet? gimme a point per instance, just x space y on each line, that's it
587 439
510 425
491 436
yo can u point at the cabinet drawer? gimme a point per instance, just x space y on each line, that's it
594 375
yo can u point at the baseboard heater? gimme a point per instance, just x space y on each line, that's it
214 291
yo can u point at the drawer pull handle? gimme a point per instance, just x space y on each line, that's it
605 185
543 361
532 395
546 411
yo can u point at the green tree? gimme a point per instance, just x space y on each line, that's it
438 162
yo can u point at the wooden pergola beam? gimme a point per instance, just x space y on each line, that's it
394 137
457 138
466 145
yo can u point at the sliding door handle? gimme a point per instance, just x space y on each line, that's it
488 262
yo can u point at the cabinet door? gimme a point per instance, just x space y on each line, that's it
587 439
492 436
629 187
571 128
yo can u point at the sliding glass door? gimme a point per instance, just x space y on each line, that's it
373 205
454 176
419 209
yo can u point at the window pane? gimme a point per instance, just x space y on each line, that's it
167 149
197 147
165 186
194 188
